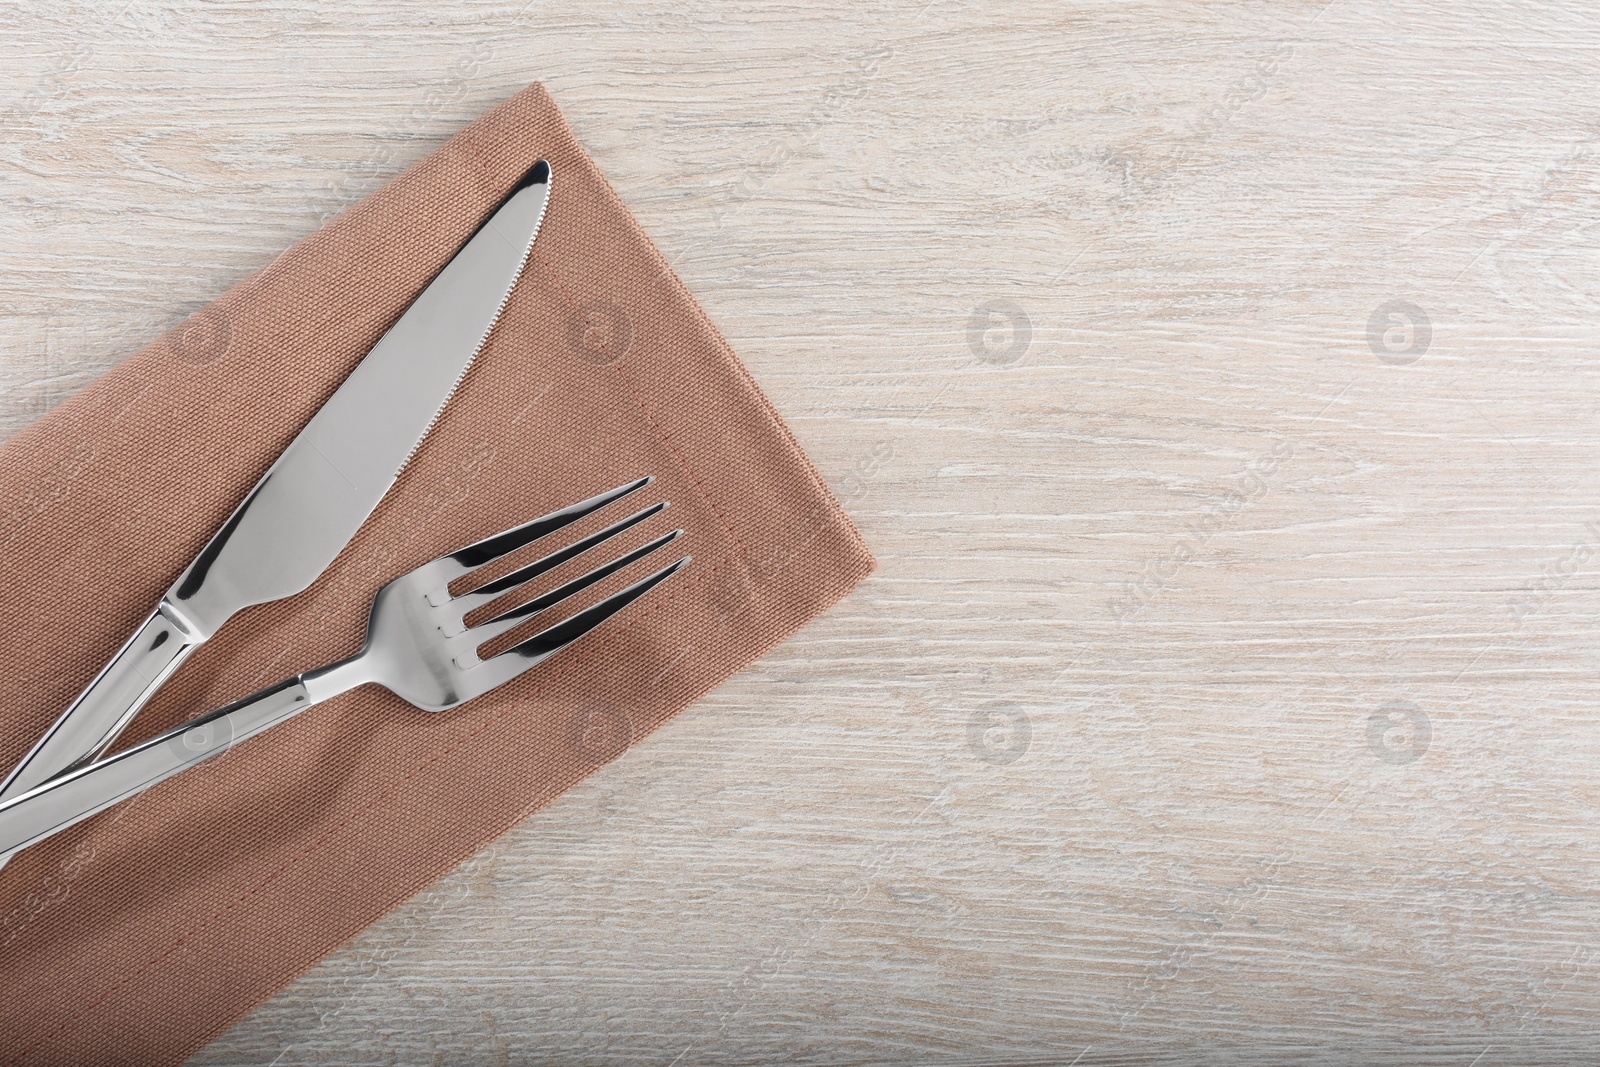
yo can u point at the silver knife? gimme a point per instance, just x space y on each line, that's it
310 503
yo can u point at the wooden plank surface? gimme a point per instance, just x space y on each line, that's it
1216 385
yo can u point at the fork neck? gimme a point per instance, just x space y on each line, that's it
325 683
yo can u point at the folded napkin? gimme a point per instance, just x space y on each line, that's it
143 933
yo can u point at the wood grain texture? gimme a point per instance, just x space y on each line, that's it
1228 692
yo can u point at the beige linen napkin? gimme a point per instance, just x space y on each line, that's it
143 933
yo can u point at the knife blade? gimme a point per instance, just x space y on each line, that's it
308 505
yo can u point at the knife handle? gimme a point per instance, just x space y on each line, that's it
72 797
112 700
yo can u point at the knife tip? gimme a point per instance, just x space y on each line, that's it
538 174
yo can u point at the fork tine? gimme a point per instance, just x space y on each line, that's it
492 548
484 593
541 646
506 620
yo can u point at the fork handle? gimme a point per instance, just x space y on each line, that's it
110 702
63 801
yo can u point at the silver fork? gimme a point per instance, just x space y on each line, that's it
418 646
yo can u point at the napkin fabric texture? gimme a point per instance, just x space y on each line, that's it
143 933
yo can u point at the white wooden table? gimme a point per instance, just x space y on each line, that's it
1217 386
